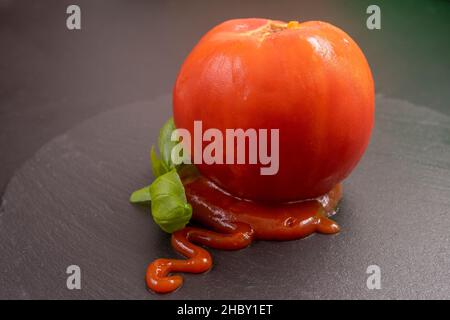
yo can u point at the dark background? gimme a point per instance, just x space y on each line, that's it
53 79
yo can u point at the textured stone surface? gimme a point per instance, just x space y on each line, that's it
68 204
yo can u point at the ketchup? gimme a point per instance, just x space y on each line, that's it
235 224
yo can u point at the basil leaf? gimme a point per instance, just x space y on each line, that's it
141 196
170 209
165 145
163 164
158 167
166 195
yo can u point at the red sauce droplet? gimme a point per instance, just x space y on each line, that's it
236 223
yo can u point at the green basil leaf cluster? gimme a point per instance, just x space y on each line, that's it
141 196
166 195
163 163
170 208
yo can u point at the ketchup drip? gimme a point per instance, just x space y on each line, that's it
236 223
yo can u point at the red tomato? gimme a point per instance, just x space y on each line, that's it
309 80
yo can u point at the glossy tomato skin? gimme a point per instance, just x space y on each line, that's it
309 80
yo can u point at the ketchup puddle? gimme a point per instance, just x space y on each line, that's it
236 224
